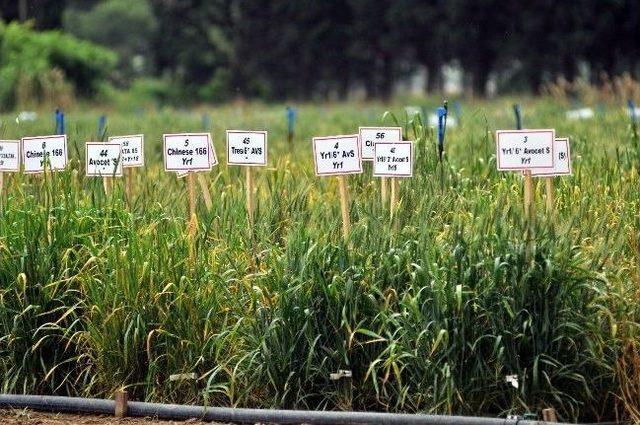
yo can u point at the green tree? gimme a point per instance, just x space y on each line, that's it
37 63
125 26
423 29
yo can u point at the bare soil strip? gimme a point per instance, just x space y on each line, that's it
30 417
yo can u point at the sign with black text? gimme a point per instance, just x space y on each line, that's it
188 152
103 159
246 148
336 155
41 151
132 149
393 159
562 164
524 149
370 135
9 155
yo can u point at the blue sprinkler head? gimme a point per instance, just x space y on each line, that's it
441 112
205 122
59 122
632 111
458 108
102 126
516 110
291 118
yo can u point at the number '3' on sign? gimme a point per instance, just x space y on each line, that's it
524 149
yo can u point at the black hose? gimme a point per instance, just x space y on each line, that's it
227 414
58 404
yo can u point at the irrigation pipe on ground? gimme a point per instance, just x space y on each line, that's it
226 414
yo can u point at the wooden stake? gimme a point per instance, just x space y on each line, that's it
249 195
529 212
1 190
550 196
106 183
122 399
528 195
128 184
394 194
344 206
383 190
193 218
202 181
549 415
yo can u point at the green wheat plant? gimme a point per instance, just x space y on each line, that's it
430 310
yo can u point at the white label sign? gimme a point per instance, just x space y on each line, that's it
212 159
246 147
337 155
132 149
524 149
393 159
36 151
562 165
370 135
104 159
188 152
9 155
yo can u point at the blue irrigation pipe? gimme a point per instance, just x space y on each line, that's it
227 414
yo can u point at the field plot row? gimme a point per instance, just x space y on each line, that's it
439 303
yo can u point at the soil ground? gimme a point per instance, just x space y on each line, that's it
30 417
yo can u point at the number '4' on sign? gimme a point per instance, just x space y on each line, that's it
337 155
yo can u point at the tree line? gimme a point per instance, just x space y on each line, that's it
299 49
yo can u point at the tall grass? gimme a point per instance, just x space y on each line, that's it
430 312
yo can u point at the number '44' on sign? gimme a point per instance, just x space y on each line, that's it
104 159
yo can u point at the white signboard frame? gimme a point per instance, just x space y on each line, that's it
257 139
562 166
7 148
511 147
367 134
110 171
34 144
130 142
202 166
212 158
381 150
353 144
